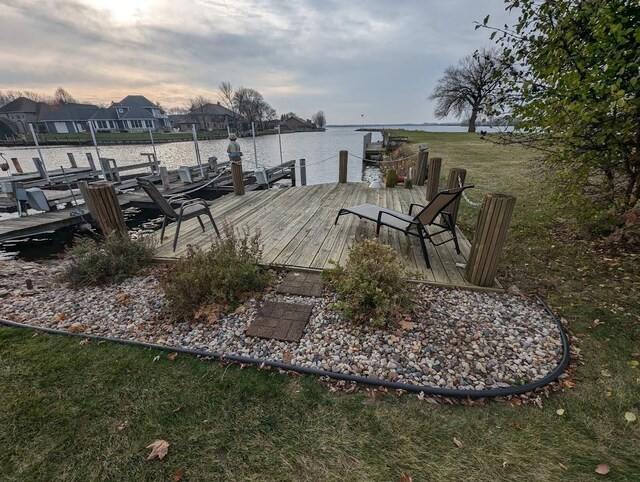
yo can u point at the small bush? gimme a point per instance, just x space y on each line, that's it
91 262
371 287
223 274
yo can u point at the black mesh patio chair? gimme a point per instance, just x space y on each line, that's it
415 224
189 208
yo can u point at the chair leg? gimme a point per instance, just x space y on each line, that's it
164 225
340 213
425 254
201 223
213 222
452 228
175 238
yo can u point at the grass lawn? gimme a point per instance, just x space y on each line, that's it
62 401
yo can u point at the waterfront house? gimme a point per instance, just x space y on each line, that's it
296 124
71 118
208 117
134 113
21 112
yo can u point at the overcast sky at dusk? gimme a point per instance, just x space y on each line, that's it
378 58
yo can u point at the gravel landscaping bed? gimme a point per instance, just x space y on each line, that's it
456 339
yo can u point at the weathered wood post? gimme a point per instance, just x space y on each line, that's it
72 159
433 177
456 179
16 165
303 172
237 177
292 170
342 166
84 188
421 166
164 178
489 238
39 167
391 178
105 202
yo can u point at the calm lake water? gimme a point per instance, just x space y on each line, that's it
320 149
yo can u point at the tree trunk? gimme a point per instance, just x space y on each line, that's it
472 120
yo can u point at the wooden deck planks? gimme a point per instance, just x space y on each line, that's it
297 228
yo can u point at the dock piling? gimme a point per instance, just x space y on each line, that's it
16 165
433 177
105 202
72 159
456 179
237 178
342 167
303 172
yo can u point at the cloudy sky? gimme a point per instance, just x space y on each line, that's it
379 58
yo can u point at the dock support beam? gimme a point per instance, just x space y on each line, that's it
105 202
489 238
16 165
342 167
72 159
237 177
433 177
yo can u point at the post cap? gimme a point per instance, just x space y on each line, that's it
423 147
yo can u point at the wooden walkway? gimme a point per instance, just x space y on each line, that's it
297 229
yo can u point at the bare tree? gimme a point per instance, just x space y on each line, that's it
178 110
468 88
36 97
9 96
62 97
319 119
225 94
251 106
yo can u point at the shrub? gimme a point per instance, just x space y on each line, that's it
223 274
371 287
112 259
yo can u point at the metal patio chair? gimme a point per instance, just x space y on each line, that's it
415 224
189 208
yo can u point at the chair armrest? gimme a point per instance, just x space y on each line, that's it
178 198
191 202
412 206
393 216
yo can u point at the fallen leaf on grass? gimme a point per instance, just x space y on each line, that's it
156 358
172 356
177 409
605 373
504 464
458 443
630 417
178 476
608 393
159 448
595 323
86 341
634 363
560 411
404 477
603 469
568 384
122 425
562 466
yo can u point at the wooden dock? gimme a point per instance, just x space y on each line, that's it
20 227
297 229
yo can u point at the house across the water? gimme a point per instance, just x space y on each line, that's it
21 112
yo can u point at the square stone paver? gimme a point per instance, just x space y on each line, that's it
303 284
280 321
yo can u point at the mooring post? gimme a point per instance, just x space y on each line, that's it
72 159
164 178
342 167
105 202
433 177
303 172
489 239
456 179
39 167
16 165
421 166
237 177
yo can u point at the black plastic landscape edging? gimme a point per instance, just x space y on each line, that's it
444 392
